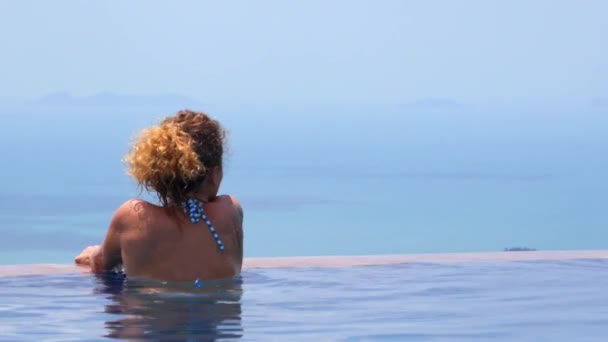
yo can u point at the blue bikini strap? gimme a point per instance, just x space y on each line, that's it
193 208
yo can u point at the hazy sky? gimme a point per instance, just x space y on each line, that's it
308 51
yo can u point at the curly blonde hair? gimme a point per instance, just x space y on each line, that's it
173 158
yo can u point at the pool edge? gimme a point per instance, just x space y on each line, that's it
345 261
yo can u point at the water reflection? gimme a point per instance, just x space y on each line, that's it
142 309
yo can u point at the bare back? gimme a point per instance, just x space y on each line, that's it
156 244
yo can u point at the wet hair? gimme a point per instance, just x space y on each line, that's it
173 158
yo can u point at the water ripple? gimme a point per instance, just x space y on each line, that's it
523 301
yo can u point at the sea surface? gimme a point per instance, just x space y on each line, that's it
508 301
323 180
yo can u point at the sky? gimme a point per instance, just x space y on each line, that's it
322 52
431 91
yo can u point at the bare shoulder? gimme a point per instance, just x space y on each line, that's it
236 204
232 202
237 219
138 205
130 211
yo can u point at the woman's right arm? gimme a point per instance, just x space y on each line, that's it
109 254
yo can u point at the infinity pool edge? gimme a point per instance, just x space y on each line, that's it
344 261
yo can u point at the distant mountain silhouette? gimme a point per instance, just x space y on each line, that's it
599 102
434 103
113 100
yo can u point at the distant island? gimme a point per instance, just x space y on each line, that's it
434 103
113 99
599 102
519 249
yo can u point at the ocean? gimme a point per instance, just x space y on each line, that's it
323 180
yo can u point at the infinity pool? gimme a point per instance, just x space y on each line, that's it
502 301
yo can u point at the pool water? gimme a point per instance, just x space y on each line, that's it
508 301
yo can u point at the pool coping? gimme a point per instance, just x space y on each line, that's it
345 261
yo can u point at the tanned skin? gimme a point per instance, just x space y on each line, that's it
160 243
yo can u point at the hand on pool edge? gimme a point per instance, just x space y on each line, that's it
85 257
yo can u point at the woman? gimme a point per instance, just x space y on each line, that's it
193 233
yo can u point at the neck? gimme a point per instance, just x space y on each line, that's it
202 196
